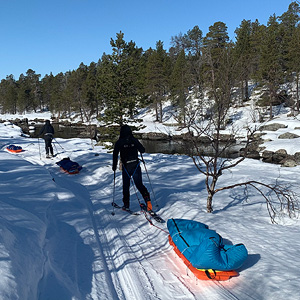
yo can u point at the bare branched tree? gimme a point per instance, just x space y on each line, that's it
279 198
206 123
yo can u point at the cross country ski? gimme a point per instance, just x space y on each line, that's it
115 205
152 214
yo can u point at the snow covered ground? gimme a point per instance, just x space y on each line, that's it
59 240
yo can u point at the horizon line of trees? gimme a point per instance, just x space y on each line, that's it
115 87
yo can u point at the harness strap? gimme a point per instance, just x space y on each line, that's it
133 172
180 233
207 273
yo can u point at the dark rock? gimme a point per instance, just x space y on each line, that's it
267 156
272 127
296 157
279 155
288 135
289 162
154 136
250 154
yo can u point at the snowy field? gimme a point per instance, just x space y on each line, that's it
59 240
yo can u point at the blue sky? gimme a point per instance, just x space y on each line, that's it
57 35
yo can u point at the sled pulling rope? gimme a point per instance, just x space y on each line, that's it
156 203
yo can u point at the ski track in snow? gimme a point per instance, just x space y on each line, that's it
120 256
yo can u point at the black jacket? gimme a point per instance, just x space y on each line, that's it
128 146
47 129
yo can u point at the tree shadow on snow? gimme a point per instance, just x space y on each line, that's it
68 268
237 198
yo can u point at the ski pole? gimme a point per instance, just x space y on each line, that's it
113 212
55 149
39 148
156 204
58 144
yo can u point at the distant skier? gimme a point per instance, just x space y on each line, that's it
128 146
48 131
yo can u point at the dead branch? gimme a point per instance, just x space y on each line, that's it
287 199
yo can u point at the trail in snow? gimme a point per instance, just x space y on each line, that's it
73 248
128 256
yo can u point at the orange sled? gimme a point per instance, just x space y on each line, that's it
204 274
70 172
14 149
69 166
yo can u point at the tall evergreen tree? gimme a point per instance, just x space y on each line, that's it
289 21
58 101
89 103
217 36
157 78
194 46
8 95
214 44
242 51
74 88
178 43
180 83
256 39
271 63
118 77
48 90
293 56
29 92
53 88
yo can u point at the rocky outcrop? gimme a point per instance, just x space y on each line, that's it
281 157
153 136
254 151
272 127
288 135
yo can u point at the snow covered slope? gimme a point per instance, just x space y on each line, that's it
59 240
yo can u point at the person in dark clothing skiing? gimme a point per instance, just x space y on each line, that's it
48 131
128 147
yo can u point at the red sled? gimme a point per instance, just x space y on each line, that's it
69 166
204 274
14 149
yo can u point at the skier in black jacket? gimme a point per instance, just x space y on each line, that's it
48 131
128 147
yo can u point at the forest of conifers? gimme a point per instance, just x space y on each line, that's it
129 78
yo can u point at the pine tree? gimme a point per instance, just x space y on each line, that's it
59 103
289 27
293 57
289 21
217 37
178 43
256 40
242 52
118 81
194 46
157 78
215 45
270 64
47 87
90 91
74 89
180 83
8 95
29 92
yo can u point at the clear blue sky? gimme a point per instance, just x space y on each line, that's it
57 35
